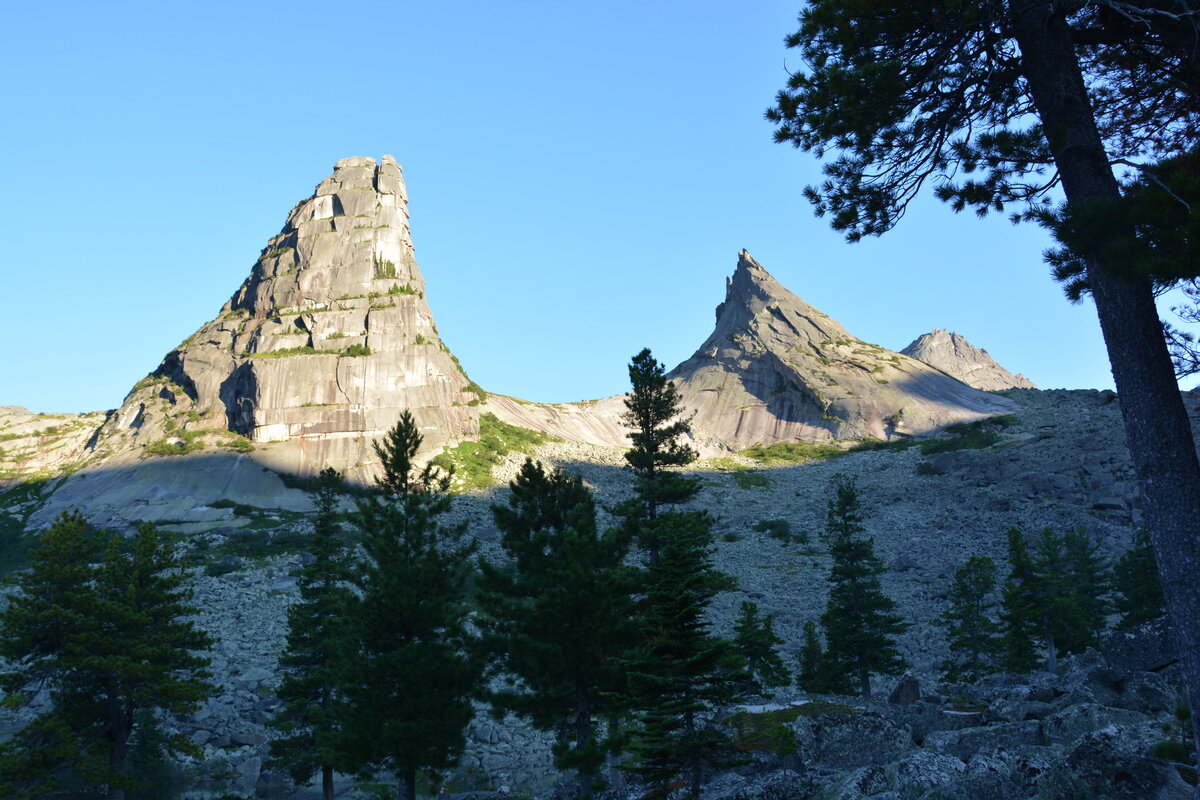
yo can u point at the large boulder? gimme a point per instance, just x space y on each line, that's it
923 771
1145 648
846 741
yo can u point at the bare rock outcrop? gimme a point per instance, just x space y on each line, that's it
954 355
776 369
319 350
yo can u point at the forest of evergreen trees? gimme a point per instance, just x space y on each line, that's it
601 638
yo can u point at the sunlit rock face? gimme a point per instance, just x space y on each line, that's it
319 350
958 358
777 369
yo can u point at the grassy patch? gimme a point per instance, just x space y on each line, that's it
780 529
725 464
969 435
473 461
793 452
748 479
191 441
306 350
765 731
926 468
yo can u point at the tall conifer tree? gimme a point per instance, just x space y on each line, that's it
412 675
1136 582
318 640
811 677
1058 595
971 627
654 415
1020 606
559 614
859 620
755 637
681 671
105 624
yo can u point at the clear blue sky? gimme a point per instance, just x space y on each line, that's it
581 178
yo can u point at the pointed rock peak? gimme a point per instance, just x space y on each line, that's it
320 349
776 369
950 352
752 289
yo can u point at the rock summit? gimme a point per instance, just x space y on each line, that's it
954 355
777 369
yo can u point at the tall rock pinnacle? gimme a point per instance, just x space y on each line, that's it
777 369
958 358
319 350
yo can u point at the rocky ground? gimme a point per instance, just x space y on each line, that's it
1060 462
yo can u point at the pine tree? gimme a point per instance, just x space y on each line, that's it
1059 595
681 671
755 638
973 632
998 102
1086 582
1020 607
1138 587
654 415
105 624
412 674
558 615
811 677
317 640
859 622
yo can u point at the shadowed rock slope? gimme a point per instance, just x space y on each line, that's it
776 369
319 350
958 358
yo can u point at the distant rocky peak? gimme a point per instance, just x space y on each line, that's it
756 303
950 352
776 369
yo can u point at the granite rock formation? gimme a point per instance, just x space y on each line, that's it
319 350
954 355
776 369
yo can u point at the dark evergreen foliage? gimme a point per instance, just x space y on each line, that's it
755 638
104 623
859 620
318 639
681 670
1020 606
1057 595
654 414
1139 590
971 627
557 616
999 102
811 677
413 671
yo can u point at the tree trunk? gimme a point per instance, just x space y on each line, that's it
583 739
118 740
864 684
616 777
327 782
1156 424
1051 651
408 784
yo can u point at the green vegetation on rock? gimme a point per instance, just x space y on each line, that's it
473 461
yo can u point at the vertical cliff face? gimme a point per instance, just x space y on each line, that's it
777 369
318 351
954 355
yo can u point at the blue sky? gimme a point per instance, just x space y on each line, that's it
581 179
